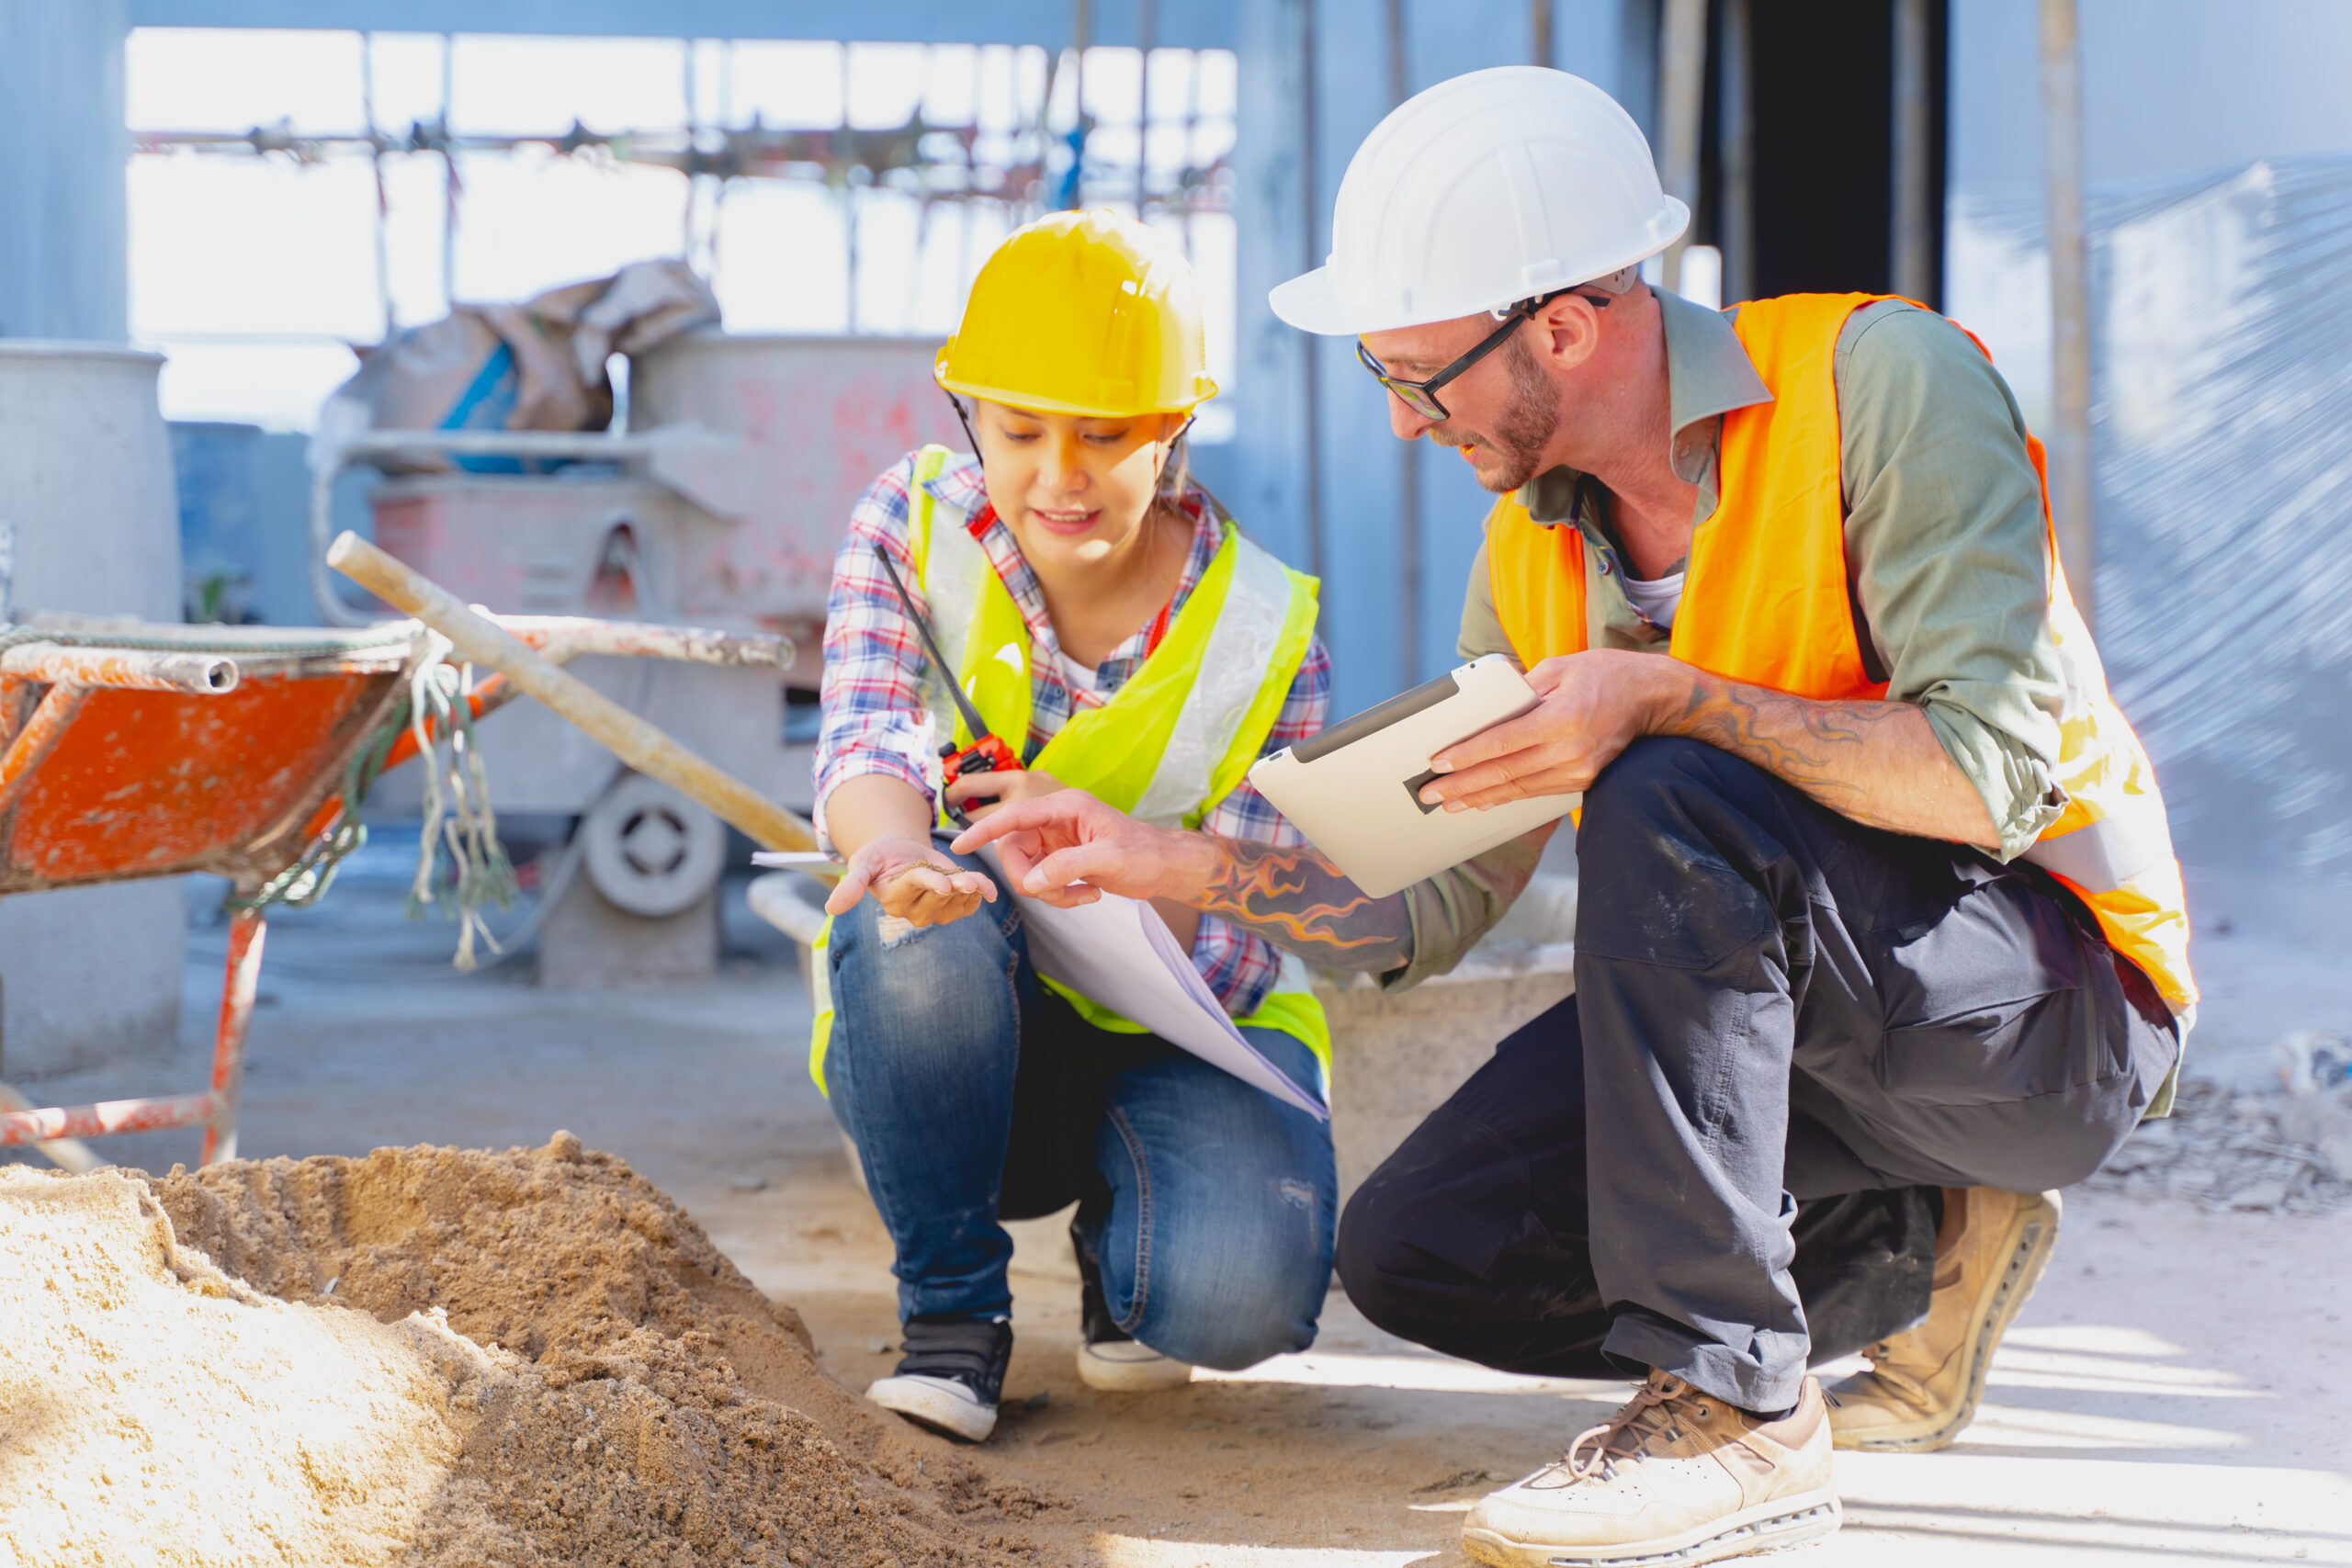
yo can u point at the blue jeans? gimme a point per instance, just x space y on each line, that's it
976 1095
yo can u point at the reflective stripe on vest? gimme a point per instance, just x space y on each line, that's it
1170 743
1766 600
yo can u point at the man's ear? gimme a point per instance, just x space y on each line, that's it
1567 331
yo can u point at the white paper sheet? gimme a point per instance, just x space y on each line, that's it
787 859
1120 952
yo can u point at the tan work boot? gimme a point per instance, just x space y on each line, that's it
1923 1384
1676 1476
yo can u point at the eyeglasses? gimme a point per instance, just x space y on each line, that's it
1421 396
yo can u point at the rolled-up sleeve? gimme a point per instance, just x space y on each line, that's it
1949 550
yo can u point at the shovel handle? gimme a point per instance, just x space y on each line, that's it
641 745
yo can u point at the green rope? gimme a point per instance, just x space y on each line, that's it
306 882
458 814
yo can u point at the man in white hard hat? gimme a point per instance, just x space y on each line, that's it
1880 934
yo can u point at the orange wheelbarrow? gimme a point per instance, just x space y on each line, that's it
133 750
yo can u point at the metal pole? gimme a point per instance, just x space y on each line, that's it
1736 153
1541 49
1081 17
1681 107
1147 23
239 987
1409 453
1309 207
376 164
2070 343
449 177
1911 242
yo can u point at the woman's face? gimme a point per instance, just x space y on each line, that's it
1074 490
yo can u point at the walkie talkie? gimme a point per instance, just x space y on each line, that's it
987 754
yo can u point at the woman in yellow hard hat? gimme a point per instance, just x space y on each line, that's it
1116 632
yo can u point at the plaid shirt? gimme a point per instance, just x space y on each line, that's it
874 715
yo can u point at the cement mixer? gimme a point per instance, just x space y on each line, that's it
721 506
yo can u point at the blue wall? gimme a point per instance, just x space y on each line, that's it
64 268
245 519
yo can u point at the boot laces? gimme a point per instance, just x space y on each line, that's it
1623 1434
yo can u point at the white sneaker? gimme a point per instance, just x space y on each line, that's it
1107 1359
1123 1366
1675 1477
944 1404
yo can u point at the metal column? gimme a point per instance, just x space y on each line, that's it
1409 453
1913 209
1735 152
1681 109
2070 342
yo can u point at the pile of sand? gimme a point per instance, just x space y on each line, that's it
548 1364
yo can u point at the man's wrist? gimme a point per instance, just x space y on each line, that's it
1668 688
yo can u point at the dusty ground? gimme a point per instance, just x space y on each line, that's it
2173 1394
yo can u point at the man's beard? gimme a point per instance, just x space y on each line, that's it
1522 431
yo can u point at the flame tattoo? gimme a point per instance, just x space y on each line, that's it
1301 900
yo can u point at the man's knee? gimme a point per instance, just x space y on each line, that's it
1683 834
1388 1277
1646 780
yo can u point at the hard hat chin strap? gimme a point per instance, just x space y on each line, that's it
965 420
1174 464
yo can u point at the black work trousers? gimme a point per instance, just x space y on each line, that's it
1721 1157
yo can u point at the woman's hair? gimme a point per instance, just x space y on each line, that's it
1176 470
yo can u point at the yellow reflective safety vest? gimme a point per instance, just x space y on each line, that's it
1766 600
1170 743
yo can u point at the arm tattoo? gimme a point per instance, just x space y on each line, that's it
1876 762
1297 899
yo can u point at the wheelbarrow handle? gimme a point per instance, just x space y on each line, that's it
641 745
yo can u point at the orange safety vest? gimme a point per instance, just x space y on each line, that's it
1766 600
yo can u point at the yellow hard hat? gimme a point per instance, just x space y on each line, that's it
1083 314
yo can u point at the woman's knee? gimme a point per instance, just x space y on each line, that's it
1225 1293
895 975
1236 1319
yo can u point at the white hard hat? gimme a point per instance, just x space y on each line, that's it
1480 191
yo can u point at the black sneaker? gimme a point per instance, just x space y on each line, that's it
950 1376
1107 1359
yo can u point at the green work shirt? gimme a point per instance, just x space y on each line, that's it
1945 545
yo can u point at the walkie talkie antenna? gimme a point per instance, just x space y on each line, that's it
972 720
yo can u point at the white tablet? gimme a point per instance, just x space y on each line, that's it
1354 790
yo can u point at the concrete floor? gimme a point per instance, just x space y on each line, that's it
2173 1394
